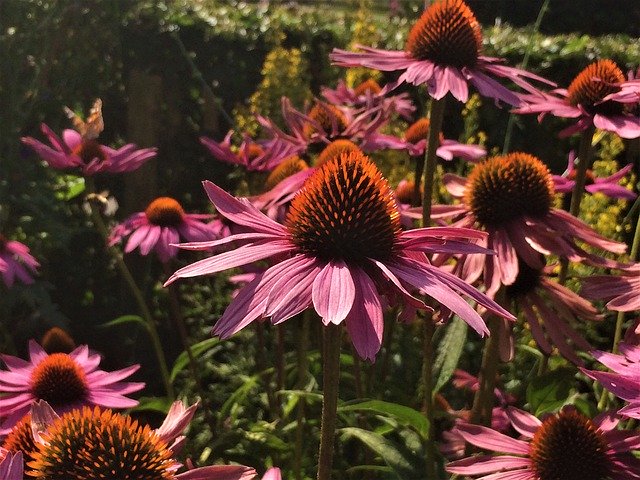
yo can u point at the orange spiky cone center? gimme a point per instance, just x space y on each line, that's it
165 212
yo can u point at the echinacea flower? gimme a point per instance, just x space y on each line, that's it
16 262
606 185
10 466
341 247
162 224
620 291
624 378
511 198
368 94
564 446
415 143
90 443
589 99
86 154
443 51
64 381
254 156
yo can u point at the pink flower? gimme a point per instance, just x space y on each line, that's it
254 156
85 154
624 380
10 465
443 51
64 380
567 446
15 261
606 185
511 198
621 291
112 438
163 224
591 99
339 250
369 94
272 474
415 142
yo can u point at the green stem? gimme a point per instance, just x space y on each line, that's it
436 116
483 401
416 197
135 291
330 381
429 329
303 367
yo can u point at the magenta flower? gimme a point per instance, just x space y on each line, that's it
367 95
590 99
272 474
415 142
163 224
10 465
16 262
607 186
74 151
624 380
66 381
567 446
123 446
621 291
511 198
340 249
254 156
443 51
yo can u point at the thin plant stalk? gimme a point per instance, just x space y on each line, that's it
416 198
484 397
436 116
330 382
149 322
303 367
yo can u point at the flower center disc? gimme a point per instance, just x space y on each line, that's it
56 340
334 149
368 86
89 444
419 130
568 446
165 212
88 150
20 439
527 280
289 166
447 33
404 191
586 91
326 116
346 210
254 151
507 187
59 380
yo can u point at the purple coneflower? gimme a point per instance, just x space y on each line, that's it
511 198
163 224
341 247
590 98
91 443
64 381
621 291
16 262
624 380
10 465
254 156
74 151
443 51
606 185
564 446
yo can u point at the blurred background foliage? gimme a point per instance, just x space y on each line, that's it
168 72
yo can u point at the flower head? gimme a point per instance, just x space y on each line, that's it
340 249
624 378
162 224
75 151
16 262
443 51
564 446
91 443
606 185
63 380
591 99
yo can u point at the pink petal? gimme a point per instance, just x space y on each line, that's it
487 464
484 437
218 472
333 292
365 321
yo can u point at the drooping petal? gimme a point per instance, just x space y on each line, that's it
333 292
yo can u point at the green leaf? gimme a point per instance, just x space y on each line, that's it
450 351
387 450
153 404
549 392
196 350
124 319
405 415
69 186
